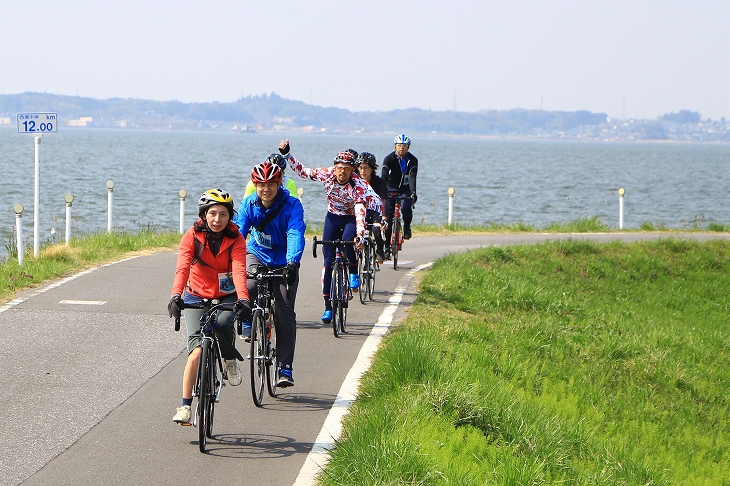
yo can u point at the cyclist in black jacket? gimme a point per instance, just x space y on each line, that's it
400 168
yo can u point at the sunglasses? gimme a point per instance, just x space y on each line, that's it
344 167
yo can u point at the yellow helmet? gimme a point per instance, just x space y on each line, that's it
211 197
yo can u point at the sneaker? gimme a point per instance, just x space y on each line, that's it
285 377
387 253
354 282
183 415
407 233
246 331
379 257
327 316
234 374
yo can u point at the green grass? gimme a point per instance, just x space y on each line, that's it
562 363
55 261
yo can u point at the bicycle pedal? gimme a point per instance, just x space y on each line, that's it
186 424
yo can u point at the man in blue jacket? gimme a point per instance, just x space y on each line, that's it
275 220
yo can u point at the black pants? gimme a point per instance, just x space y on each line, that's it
406 210
286 318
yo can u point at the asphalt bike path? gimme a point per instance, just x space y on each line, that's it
93 368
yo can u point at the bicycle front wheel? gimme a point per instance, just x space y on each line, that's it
362 271
271 356
336 298
395 244
205 395
258 356
371 272
345 296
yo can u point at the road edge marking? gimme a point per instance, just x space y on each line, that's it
332 427
45 288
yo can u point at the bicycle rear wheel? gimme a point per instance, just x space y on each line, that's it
271 357
336 298
204 395
258 356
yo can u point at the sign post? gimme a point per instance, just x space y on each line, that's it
37 124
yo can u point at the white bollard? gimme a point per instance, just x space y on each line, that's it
110 197
621 193
18 208
182 193
451 203
69 198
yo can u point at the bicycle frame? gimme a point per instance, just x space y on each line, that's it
340 292
210 375
368 264
396 236
263 333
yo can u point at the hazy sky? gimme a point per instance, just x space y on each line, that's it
632 58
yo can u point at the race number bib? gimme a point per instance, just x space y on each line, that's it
262 239
225 283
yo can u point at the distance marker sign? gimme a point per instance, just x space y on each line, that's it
37 123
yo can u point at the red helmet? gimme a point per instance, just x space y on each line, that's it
345 157
266 172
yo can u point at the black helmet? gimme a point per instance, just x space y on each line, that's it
367 158
277 160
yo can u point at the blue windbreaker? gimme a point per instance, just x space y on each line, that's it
282 240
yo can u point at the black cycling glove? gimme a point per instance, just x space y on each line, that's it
414 196
285 150
174 307
242 308
290 272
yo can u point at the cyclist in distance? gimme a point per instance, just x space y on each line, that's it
211 264
275 220
400 168
366 166
287 182
347 197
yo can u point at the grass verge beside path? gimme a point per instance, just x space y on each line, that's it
562 363
60 260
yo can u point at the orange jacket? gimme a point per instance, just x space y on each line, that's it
201 277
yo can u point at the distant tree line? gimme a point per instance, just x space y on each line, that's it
271 111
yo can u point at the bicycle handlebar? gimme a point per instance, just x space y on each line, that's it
270 273
208 304
332 243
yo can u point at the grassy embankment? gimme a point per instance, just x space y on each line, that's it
562 363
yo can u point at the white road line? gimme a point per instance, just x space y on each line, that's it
58 283
82 302
332 427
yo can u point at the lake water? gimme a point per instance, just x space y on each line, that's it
495 180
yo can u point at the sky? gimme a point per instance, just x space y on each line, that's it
625 58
